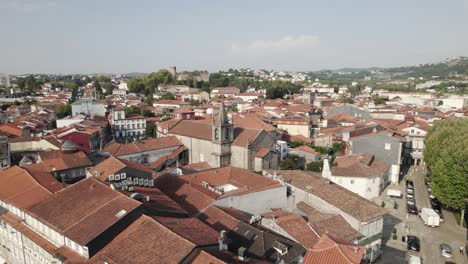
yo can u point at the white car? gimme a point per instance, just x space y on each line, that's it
445 250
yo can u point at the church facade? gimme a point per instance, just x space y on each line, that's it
221 143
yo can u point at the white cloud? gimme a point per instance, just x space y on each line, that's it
286 43
29 6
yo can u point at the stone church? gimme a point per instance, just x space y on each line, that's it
221 143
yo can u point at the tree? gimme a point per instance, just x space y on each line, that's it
136 85
378 100
446 155
30 83
288 164
149 100
315 166
347 100
150 130
62 110
167 96
296 143
97 88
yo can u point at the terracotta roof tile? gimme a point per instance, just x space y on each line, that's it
40 173
145 241
325 223
97 210
117 149
359 165
19 188
345 200
63 253
191 229
330 250
296 226
244 181
57 160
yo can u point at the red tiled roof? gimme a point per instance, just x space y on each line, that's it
330 250
57 160
340 197
245 181
19 188
191 199
332 224
40 173
262 152
359 165
63 253
172 155
145 241
83 210
296 226
306 149
117 149
191 229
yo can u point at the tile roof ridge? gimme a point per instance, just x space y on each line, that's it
340 250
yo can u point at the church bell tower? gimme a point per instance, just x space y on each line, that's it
222 135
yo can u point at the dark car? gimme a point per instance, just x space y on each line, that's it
412 209
437 208
413 243
435 202
409 182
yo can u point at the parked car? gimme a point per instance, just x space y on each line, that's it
413 243
445 250
437 208
441 217
412 209
435 203
411 201
409 182
410 195
409 191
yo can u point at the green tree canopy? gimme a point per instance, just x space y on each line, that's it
446 155
168 96
62 110
150 130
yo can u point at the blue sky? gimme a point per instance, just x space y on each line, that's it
52 36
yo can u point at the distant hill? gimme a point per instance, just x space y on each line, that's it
442 69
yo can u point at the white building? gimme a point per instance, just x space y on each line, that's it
131 126
123 86
359 173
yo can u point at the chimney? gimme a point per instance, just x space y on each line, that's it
222 240
147 198
241 253
326 172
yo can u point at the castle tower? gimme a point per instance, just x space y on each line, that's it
308 97
222 135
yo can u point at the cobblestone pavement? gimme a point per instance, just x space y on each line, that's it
394 251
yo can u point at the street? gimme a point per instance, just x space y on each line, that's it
394 251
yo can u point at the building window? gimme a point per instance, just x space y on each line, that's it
387 146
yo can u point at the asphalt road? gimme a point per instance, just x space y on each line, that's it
448 232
